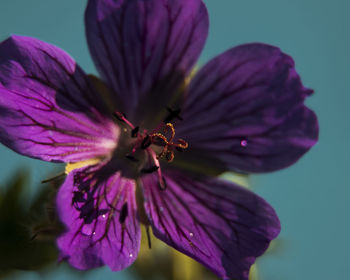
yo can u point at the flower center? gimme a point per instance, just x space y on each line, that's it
144 149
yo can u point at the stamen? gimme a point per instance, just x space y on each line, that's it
161 181
135 132
121 117
150 170
146 142
132 158
123 213
162 184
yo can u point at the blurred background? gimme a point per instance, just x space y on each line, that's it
312 198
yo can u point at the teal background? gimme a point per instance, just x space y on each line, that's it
311 197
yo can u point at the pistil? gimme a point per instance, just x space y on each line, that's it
148 143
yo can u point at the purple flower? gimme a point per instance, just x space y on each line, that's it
144 143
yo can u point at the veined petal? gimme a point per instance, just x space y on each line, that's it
100 216
48 108
244 111
144 49
221 225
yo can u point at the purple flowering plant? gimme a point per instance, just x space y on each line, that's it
144 143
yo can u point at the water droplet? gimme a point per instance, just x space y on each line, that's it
94 233
244 143
87 230
103 216
131 255
191 234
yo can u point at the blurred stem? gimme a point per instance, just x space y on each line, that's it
184 268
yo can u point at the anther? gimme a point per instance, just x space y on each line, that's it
151 169
162 184
132 158
123 213
135 132
146 142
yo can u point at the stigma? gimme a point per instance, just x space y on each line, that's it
145 149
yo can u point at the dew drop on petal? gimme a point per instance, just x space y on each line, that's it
87 230
244 143
191 234
131 255
94 233
103 216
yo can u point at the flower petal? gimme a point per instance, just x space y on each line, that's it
244 111
221 225
100 216
144 49
48 108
